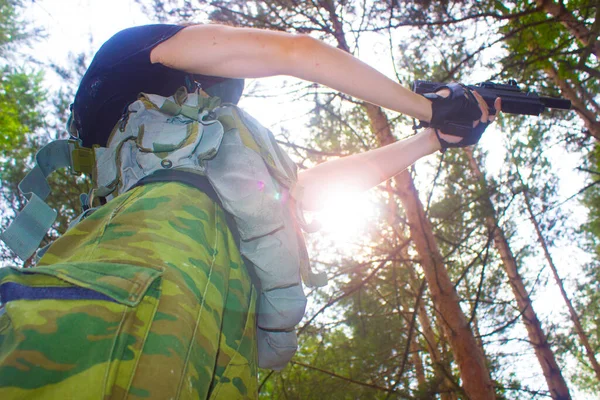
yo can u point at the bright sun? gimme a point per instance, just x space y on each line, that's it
345 216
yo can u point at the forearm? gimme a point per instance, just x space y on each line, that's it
316 61
360 172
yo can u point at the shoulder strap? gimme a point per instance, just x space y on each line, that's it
30 226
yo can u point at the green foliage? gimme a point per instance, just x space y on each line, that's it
21 95
538 45
588 295
21 92
11 27
30 118
536 42
319 370
587 305
592 200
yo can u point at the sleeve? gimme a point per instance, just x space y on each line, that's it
133 45
120 70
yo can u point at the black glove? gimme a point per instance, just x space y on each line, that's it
470 140
454 115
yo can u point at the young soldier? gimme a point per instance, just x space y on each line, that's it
149 296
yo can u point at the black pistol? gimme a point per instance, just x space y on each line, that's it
514 100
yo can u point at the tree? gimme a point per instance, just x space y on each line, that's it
539 40
558 44
31 118
538 339
20 88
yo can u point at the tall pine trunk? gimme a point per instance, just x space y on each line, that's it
468 355
573 314
471 362
441 370
556 383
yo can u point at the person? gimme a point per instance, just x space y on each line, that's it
149 297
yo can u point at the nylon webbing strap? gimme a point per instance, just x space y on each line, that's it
192 112
28 229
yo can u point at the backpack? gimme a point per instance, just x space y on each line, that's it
241 160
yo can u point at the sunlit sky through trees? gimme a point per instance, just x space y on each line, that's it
76 26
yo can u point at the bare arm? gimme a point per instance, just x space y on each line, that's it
251 53
362 171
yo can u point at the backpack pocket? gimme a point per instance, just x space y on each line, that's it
160 133
245 187
165 142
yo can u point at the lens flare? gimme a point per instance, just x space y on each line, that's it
345 215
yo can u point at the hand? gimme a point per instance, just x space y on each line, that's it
486 118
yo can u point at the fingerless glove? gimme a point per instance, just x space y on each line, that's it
454 115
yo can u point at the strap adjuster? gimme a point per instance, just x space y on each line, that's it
82 158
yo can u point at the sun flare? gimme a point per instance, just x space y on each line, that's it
345 215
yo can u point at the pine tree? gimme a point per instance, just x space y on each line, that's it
31 118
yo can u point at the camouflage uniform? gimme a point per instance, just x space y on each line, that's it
148 298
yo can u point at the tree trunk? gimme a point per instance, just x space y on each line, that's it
589 117
556 383
448 386
442 370
568 20
574 317
471 362
469 357
417 362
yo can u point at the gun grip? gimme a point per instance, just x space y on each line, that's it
421 124
457 128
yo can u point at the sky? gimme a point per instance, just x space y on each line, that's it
75 26
70 23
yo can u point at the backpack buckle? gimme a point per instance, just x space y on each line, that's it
82 158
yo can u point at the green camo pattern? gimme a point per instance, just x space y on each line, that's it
182 321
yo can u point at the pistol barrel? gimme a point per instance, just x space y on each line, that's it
514 101
554 102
